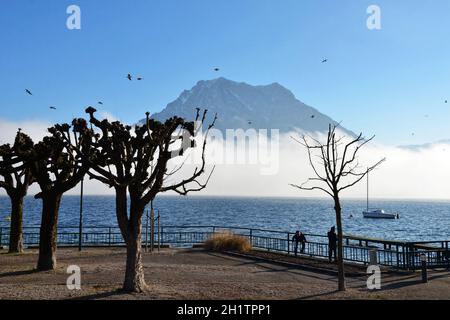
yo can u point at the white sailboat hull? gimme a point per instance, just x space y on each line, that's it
380 214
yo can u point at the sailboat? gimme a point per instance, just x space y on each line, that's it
377 213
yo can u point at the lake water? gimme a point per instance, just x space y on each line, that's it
419 220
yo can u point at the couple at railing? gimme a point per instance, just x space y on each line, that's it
299 238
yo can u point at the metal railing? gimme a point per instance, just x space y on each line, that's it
397 254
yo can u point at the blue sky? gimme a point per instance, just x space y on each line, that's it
380 82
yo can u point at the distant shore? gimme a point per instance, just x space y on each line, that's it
197 274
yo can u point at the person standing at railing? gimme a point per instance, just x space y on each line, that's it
332 244
297 238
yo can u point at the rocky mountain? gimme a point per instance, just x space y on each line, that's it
240 105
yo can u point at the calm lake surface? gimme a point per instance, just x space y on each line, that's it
419 220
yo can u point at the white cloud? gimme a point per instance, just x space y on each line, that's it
106 115
417 174
421 173
35 129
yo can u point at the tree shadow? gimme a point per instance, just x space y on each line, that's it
439 276
18 273
324 294
411 280
400 284
101 295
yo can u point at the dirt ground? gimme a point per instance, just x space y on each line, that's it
198 274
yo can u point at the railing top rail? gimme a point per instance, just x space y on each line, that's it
429 242
239 228
378 240
225 227
68 227
346 236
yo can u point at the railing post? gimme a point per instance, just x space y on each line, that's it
412 257
159 239
152 230
288 244
397 256
251 237
1 240
109 236
404 249
447 257
146 230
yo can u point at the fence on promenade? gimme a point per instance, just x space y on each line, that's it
396 254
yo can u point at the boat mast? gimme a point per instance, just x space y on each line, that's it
367 189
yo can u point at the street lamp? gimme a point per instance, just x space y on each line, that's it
80 230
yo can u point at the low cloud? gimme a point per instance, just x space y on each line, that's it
415 173
35 129
419 173
106 115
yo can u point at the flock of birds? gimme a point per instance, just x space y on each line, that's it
129 77
216 69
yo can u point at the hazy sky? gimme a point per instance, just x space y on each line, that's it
390 82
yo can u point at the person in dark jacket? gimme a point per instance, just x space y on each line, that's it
299 237
332 244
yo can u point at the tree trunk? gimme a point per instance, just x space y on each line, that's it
16 232
134 273
48 232
340 253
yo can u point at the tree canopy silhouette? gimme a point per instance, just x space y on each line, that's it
16 178
135 163
57 167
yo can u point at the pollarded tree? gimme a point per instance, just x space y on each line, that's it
16 178
135 163
336 169
57 168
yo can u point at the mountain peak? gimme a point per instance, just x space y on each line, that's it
241 105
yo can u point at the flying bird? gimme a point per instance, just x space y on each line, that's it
313 116
249 121
129 77
216 69
52 107
29 92
324 60
100 102
139 78
446 101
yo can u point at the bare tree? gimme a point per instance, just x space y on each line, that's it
57 168
135 163
336 168
16 178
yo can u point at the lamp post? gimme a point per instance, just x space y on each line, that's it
80 227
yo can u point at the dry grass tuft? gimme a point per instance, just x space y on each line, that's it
228 241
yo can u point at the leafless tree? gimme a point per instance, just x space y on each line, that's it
336 168
135 163
15 179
